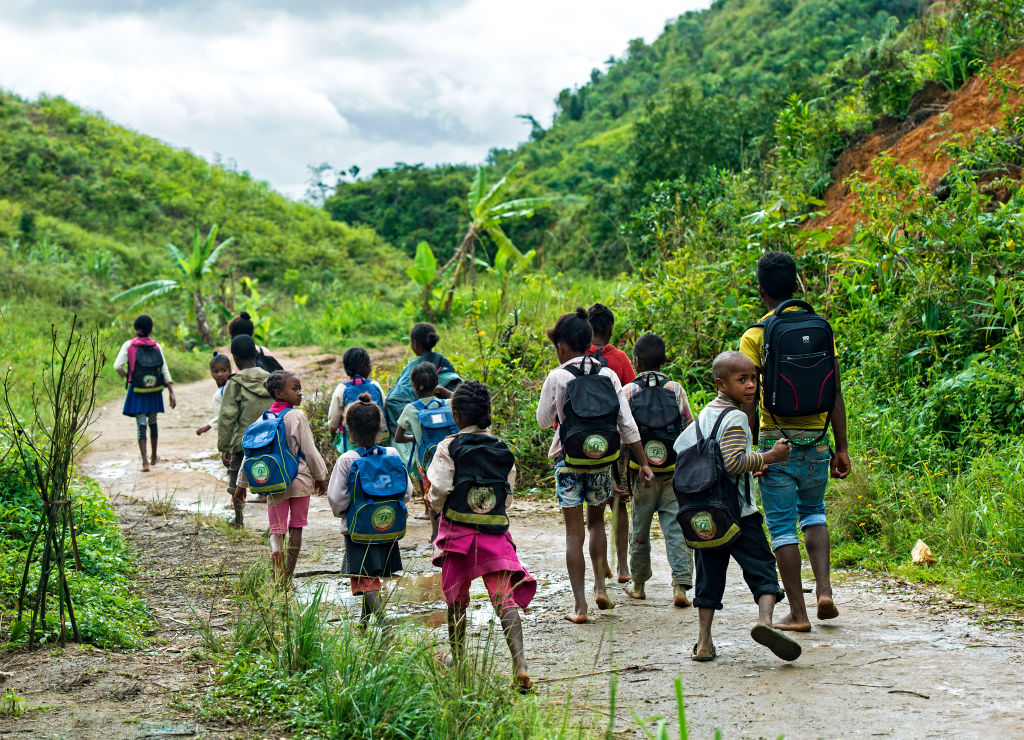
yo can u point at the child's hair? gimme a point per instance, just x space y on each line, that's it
424 377
219 359
143 325
776 273
356 361
241 324
574 330
276 382
649 351
472 401
601 319
729 363
424 334
243 348
362 421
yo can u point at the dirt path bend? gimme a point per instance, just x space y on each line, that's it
899 662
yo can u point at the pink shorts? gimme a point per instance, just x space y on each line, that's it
499 588
289 514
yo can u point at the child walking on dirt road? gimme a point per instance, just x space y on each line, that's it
371 541
288 511
472 476
358 368
141 362
220 371
736 380
583 401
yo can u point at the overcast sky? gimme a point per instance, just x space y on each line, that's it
277 86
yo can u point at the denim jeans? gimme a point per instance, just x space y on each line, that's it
659 499
793 492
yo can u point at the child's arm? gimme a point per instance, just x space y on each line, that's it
241 486
335 410
441 475
314 461
121 361
227 420
404 424
840 465
736 458
683 403
546 411
337 488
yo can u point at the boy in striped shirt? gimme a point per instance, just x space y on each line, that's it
736 380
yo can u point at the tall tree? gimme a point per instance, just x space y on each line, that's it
487 211
194 272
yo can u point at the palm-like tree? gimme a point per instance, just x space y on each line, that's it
194 271
487 211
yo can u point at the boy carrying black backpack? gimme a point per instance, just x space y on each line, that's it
801 396
717 512
661 411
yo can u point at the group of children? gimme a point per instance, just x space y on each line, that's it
617 434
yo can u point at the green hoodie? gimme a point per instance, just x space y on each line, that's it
245 400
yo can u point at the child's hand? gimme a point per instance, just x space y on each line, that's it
320 487
170 397
225 457
240 494
203 429
762 471
779 452
646 475
840 464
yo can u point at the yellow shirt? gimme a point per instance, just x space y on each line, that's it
751 344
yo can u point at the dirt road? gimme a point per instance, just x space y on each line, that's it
899 662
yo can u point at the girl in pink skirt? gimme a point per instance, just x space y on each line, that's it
471 479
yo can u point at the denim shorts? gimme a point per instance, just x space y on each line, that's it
573 487
793 492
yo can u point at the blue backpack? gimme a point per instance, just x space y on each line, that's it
377 484
436 423
269 465
353 389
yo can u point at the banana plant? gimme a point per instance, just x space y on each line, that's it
423 272
487 212
194 271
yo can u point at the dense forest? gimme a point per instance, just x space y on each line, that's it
703 95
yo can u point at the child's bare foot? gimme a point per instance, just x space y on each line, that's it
576 618
154 460
624 576
603 602
523 683
145 466
679 597
230 505
827 608
782 645
789 623
607 571
635 591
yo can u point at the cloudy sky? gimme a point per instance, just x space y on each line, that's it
277 86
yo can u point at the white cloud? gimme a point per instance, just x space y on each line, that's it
351 83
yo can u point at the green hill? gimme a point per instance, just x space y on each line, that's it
704 94
86 207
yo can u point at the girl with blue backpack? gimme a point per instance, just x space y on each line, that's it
282 461
369 490
358 368
472 476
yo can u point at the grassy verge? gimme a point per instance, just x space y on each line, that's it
308 669
109 613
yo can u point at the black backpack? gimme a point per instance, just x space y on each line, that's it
147 371
709 509
480 489
798 363
267 362
589 430
657 417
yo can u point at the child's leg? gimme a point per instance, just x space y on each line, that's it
372 603
819 551
680 556
598 553
621 516
499 587
298 517
457 622
140 432
239 505
152 438
278 517
644 503
712 566
574 563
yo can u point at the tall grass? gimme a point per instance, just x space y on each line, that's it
312 669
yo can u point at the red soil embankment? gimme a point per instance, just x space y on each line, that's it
915 141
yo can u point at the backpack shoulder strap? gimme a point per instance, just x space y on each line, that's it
720 420
574 370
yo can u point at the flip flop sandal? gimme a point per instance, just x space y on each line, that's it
778 642
703 658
